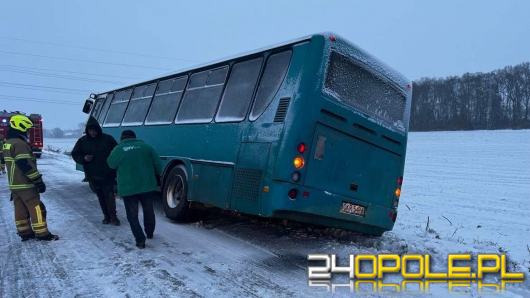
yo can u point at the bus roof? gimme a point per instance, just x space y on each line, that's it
362 56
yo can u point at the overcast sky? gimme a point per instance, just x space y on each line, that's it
76 47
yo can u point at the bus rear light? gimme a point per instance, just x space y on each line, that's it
301 148
400 181
296 176
397 192
332 37
298 162
292 193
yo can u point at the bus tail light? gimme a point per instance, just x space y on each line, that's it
298 162
301 148
397 192
292 193
332 37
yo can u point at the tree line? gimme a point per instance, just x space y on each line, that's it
65 133
495 100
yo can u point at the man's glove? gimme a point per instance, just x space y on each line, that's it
41 187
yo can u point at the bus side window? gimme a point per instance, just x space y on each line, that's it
105 108
117 108
273 75
140 101
97 108
166 101
202 96
239 90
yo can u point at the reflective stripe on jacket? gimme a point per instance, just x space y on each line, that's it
16 149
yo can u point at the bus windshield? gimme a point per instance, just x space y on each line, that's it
360 89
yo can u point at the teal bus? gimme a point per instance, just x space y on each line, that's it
313 130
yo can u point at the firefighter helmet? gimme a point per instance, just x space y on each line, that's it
20 122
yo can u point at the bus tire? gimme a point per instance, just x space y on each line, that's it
175 194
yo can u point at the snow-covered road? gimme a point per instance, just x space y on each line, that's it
96 260
474 187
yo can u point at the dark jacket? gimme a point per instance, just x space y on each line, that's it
138 166
99 147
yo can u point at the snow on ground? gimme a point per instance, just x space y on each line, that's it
472 187
59 144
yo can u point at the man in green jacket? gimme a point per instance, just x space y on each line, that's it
138 169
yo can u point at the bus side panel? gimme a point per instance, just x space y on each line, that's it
248 176
211 184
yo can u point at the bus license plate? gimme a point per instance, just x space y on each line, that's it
353 209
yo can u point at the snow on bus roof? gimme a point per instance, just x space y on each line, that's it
362 56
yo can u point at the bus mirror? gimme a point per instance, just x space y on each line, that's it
88 106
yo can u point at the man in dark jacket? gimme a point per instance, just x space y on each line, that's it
92 151
138 167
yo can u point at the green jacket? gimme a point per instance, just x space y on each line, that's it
137 165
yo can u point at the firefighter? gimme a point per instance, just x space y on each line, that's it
92 150
25 182
2 160
139 169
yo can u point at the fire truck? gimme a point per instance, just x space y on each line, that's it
35 134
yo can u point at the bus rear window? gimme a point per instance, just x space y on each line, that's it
363 91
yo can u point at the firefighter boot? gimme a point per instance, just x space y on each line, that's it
49 237
26 237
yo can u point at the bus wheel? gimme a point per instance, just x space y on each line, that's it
174 194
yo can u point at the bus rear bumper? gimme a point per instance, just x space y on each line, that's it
323 208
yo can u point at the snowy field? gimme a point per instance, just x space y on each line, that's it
64 145
472 188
